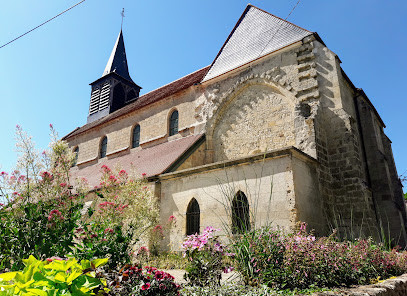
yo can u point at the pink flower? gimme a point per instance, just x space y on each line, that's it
55 213
110 230
144 174
62 184
228 269
172 219
143 251
158 228
122 172
146 286
105 168
46 176
51 126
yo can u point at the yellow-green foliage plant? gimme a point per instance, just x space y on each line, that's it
53 277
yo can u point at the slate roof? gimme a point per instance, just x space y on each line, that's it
151 161
117 62
256 34
149 98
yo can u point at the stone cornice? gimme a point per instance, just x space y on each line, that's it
286 152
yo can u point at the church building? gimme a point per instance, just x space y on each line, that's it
273 131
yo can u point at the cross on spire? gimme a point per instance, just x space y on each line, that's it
122 14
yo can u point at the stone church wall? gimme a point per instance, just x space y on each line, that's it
298 96
269 181
342 176
153 121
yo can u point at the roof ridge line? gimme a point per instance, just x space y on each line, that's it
279 17
173 81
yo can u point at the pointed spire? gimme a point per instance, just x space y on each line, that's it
118 62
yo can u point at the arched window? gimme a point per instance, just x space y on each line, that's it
240 213
103 147
135 140
174 123
76 153
193 217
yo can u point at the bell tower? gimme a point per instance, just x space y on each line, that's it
115 88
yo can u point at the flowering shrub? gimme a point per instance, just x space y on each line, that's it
127 201
300 260
205 254
42 215
44 229
134 280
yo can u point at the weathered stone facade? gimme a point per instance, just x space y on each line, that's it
288 128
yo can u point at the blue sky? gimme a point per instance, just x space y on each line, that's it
44 76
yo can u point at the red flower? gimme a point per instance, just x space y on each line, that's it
46 176
105 168
55 213
146 286
144 174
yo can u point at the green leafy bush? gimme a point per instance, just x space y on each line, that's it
54 277
44 229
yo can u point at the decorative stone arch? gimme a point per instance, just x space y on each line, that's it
170 128
227 99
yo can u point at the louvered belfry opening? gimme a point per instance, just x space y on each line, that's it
193 217
119 98
240 213
131 95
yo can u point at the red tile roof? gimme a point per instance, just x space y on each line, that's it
151 161
149 98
